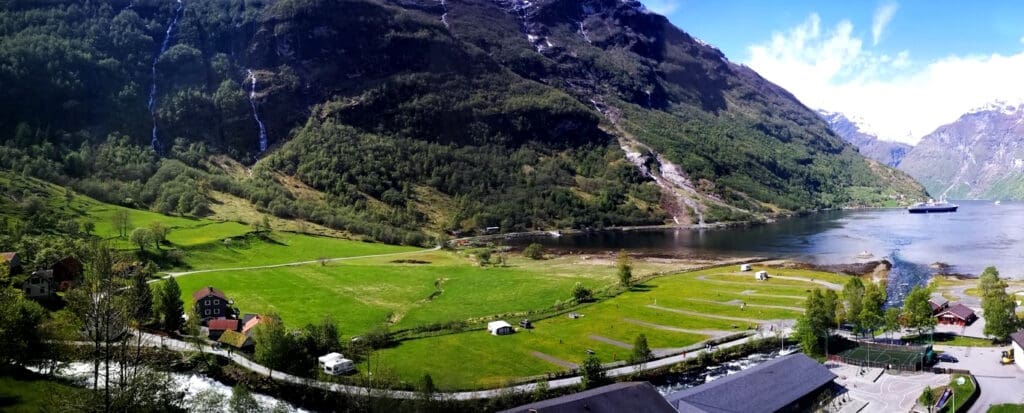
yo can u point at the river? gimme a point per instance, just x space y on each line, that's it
980 234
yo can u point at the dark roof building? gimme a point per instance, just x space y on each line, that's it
13 261
779 384
1018 338
958 314
211 303
634 397
938 303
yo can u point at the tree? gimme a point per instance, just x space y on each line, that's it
273 344
160 232
318 339
121 222
892 319
534 251
641 351
871 316
141 298
853 295
581 294
989 281
242 401
483 256
593 374
812 328
1000 315
172 309
427 387
927 398
831 305
88 227
625 269
142 237
20 318
917 312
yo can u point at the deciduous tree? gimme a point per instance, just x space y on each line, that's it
641 351
625 269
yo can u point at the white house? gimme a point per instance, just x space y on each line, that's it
744 267
499 328
335 364
761 275
1018 348
39 285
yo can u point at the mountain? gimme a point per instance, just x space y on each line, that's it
979 156
403 119
887 152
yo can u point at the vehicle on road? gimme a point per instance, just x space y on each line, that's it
947 358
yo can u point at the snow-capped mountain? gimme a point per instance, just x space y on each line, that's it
863 136
979 156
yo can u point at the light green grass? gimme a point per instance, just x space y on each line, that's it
499 360
960 393
1006 408
282 247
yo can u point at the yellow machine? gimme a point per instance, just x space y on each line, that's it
1007 357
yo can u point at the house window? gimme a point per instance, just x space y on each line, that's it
216 302
207 302
207 312
216 311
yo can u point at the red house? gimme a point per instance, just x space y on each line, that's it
218 326
957 314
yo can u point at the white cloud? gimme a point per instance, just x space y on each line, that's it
899 98
883 15
662 7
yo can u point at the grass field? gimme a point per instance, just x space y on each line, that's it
1006 408
961 393
672 311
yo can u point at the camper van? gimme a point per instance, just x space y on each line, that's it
761 275
335 364
744 267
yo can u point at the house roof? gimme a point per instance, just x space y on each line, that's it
233 338
45 274
765 388
937 302
330 356
222 324
8 256
1018 338
208 291
959 310
618 397
253 322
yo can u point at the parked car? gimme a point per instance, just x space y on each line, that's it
946 358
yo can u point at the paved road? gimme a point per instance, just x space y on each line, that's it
153 340
999 384
292 264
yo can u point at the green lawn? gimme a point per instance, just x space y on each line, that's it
960 393
283 247
947 339
1006 408
26 395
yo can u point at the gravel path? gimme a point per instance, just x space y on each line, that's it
710 333
613 342
554 360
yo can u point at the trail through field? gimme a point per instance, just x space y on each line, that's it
754 293
699 314
740 303
293 264
613 342
554 360
710 333
831 286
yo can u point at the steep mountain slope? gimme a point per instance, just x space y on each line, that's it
979 156
388 117
887 152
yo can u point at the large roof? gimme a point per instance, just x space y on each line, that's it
1018 338
233 338
208 291
961 311
223 324
639 397
766 388
8 256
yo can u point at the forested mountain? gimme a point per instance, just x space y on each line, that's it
386 118
887 152
979 156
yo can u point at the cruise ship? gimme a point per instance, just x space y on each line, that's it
932 207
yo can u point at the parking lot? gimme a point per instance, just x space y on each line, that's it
998 383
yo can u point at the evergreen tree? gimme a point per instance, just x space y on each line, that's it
141 298
581 294
171 307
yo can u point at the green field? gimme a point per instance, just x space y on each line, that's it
1006 408
25 395
672 311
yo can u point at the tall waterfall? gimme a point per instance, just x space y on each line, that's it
256 113
152 88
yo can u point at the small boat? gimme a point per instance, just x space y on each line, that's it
932 207
865 255
998 202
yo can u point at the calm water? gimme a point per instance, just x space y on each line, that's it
979 235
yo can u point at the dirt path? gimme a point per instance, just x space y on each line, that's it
709 333
739 303
554 360
698 314
292 264
613 342
754 293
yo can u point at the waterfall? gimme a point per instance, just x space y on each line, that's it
152 88
256 113
444 13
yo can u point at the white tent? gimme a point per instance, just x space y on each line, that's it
744 267
499 328
761 275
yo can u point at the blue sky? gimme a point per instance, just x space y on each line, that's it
902 67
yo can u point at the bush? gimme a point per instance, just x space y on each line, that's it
534 251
